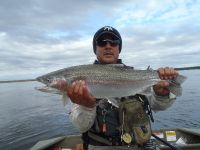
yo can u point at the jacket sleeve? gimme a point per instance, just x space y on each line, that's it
159 103
82 117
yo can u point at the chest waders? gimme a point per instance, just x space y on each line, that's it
134 120
127 125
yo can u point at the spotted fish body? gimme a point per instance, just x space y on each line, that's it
104 81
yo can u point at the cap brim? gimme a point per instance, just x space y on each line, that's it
109 33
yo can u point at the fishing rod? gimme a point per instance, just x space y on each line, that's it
166 143
30 80
187 68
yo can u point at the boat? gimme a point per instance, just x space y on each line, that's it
183 138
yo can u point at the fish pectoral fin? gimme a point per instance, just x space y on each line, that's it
65 99
48 89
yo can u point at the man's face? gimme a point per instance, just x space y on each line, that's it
107 52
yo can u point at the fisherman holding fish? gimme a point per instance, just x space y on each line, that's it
121 122
103 129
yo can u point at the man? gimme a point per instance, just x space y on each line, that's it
98 119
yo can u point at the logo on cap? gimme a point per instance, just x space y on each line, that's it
108 28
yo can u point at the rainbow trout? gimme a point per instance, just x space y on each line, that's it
107 81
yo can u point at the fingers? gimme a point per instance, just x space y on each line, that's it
161 91
163 84
79 94
167 73
161 88
76 89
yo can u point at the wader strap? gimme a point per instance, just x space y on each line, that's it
147 106
85 139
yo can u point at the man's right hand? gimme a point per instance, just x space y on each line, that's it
79 94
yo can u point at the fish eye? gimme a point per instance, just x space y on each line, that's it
48 80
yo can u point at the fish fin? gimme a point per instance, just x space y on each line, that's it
65 99
48 89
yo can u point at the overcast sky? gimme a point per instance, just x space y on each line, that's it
40 36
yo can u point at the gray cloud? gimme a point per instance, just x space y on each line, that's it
38 36
27 20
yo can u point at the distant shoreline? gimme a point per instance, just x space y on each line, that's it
12 81
188 68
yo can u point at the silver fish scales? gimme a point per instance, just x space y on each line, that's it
107 81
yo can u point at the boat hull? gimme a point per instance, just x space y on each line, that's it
186 139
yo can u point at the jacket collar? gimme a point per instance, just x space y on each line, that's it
119 61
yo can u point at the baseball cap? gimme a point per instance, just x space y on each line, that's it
106 30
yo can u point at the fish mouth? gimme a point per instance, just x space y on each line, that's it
43 80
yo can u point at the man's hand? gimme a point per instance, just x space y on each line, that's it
79 94
161 88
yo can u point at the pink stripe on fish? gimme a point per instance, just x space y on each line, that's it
115 82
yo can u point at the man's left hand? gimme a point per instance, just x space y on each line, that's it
161 88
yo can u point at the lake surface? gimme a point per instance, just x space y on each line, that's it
27 115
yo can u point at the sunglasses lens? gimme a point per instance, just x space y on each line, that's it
103 43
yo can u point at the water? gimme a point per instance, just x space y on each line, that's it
27 115
185 110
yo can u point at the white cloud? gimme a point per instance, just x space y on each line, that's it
41 36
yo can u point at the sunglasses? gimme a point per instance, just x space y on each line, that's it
103 43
